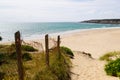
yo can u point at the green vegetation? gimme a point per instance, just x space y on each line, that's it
113 68
110 56
59 68
67 51
25 56
28 48
34 64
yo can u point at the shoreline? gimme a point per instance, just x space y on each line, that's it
64 33
97 42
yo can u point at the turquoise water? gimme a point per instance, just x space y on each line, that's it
36 30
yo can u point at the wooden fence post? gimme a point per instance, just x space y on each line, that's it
19 55
47 49
58 46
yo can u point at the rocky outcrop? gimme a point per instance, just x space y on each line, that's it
103 21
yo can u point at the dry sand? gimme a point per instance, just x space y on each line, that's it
97 43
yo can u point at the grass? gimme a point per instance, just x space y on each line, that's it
110 56
34 64
59 69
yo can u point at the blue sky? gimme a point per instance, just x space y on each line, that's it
57 10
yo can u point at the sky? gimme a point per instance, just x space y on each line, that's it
57 10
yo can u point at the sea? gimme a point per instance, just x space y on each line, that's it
36 30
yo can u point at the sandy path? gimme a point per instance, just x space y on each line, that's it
85 68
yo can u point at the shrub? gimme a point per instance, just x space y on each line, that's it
23 47
13 55
28 48
26 56
113 68
67 51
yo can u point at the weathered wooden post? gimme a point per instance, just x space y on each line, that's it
58 46
19 55
47 49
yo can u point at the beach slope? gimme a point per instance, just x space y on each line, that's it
96 42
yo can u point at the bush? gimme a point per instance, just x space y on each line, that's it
113 68
28 48
13 55
67 51
25 56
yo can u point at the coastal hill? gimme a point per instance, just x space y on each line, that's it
103 21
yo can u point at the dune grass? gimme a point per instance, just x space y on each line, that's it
112 67
110 56
34 64
59 68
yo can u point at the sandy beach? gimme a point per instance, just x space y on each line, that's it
96 42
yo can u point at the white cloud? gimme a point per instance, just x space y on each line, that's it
57 10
